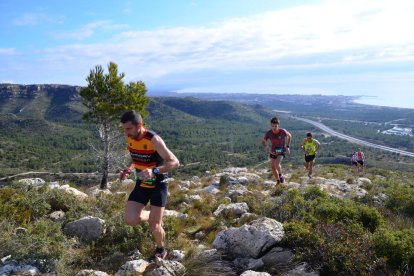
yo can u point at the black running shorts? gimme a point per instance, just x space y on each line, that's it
274 156
361 162
155 196
310 158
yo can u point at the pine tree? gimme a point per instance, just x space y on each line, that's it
107 97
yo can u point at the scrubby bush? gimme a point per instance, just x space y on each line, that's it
336 249
314 192
397 247
335 210
21 208
345 250
401 198
43 240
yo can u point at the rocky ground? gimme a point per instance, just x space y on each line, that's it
249 249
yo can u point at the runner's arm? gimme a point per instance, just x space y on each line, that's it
318 145
302 144
289 139
170 160
125 173
265 146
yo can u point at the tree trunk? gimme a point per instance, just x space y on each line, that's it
105 163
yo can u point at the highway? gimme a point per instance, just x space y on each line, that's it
354 140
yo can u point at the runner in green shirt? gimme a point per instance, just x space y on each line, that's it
310 147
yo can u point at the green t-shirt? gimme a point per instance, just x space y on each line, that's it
310 146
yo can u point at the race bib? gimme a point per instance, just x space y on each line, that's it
279 150
149 182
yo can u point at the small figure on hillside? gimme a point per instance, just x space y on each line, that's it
280 141
357 160
309 147
151 159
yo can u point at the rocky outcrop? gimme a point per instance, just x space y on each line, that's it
254 273
252 240
32 181
10 91
91 272
132 267
233 209
87 228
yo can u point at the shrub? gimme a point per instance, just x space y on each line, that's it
300 234
314 192
345 250
401 199
334 210
43 240
397 247
22 207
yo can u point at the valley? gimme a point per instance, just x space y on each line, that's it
41 129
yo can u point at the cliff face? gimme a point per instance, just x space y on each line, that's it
33 91
41 102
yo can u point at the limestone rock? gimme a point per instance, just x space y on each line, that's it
32 181
73 191
87 228
278 257
250 240
173 213
254 273
132 267
91 272
232 209
168 268
57 216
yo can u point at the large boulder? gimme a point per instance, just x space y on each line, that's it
91 272
87 228
135 267
254 273
233 209
251 240
72 191
175 214
11 269
168 268
278 256
243 264
301 270
32 181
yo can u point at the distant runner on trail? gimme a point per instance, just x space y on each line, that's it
310 147
280 141
358 159
151 159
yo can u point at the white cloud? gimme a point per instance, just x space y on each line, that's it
7 51
356 31
331 34
36 18
28 19
89 30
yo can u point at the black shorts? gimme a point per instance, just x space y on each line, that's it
274 156
355 163
155 196
361 162
310 158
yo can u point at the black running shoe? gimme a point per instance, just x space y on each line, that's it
281 178
161 253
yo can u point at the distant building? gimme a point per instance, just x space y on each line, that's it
399 131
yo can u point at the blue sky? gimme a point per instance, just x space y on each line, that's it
353 47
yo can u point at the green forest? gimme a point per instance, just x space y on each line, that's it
50 135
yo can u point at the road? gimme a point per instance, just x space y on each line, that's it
354 140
